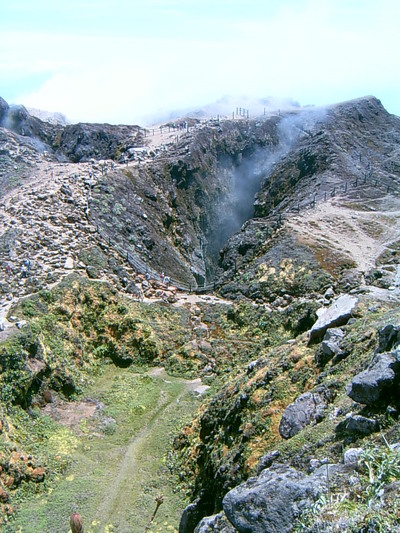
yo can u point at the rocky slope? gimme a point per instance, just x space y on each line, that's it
291 217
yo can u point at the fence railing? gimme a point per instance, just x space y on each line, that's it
370 178
142 267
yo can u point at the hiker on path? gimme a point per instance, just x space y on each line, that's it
76 524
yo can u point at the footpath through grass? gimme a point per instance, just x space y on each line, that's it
117 460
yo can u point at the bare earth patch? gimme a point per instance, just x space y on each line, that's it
71 414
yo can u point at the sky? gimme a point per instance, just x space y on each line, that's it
134 61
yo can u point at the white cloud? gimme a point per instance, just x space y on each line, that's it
313 51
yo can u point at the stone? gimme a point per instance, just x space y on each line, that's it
389 338
337 314
92 272
271 502
218 523
308 408
352 456
69 263
357 425
329 294
376 384
205 347
191 516
331 341
267 460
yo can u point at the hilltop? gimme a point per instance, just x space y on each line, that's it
281 220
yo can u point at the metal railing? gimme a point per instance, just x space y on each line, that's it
142 267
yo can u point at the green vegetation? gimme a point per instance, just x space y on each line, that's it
225 442
83 340
370 503
109 466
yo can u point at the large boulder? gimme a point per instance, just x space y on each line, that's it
217 523
337 314
389 338
308 408
377 384
357 425
271 501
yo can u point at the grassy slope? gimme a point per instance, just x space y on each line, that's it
116 473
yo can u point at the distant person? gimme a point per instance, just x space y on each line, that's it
76 524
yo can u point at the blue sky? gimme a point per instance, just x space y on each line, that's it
130 61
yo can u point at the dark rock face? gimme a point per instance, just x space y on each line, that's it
17 119
389 338
357 425
308 408
191 516
378 383
335 315
271 501
82 142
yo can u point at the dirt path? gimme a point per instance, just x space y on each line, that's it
132 476
127 479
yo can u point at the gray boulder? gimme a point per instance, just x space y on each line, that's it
308 408
271 502
357 425
389 338
376 384
337 314
352 456
331 343
218 523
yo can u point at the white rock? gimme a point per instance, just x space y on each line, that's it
69 263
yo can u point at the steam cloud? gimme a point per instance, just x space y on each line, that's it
243 181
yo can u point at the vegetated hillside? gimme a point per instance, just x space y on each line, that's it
284 215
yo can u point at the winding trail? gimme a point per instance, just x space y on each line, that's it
132 469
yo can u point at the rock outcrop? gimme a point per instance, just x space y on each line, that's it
308 408
379 383
337 314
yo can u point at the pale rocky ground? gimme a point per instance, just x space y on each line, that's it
46 222
362 234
